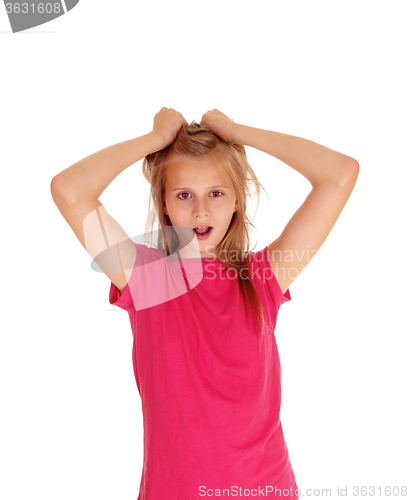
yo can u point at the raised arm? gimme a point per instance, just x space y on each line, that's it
332 176
76 189
89 177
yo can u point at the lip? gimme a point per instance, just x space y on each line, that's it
203 236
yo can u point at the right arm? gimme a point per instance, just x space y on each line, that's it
76 190
89 177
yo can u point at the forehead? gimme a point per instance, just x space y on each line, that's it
188 171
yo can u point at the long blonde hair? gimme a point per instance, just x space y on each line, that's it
196 141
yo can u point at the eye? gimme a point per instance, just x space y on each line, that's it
181 197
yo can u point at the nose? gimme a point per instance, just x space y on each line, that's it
201 208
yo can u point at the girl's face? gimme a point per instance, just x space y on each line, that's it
197 196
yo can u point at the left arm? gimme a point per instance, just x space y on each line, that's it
332 176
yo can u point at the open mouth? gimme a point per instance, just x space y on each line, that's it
203 232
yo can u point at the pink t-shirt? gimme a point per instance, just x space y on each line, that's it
210 396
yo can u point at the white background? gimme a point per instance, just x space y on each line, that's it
333 72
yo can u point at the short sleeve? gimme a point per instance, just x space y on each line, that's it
155 279
263 275
144 255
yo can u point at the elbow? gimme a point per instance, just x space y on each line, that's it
350 173
59 190
354 167
55 186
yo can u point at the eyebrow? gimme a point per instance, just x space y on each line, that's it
210 187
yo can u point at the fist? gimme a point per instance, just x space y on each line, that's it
166 126
220 124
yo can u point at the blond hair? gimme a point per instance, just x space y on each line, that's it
196 141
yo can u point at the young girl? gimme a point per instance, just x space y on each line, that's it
202 306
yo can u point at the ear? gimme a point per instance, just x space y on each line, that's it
235 207
165 209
